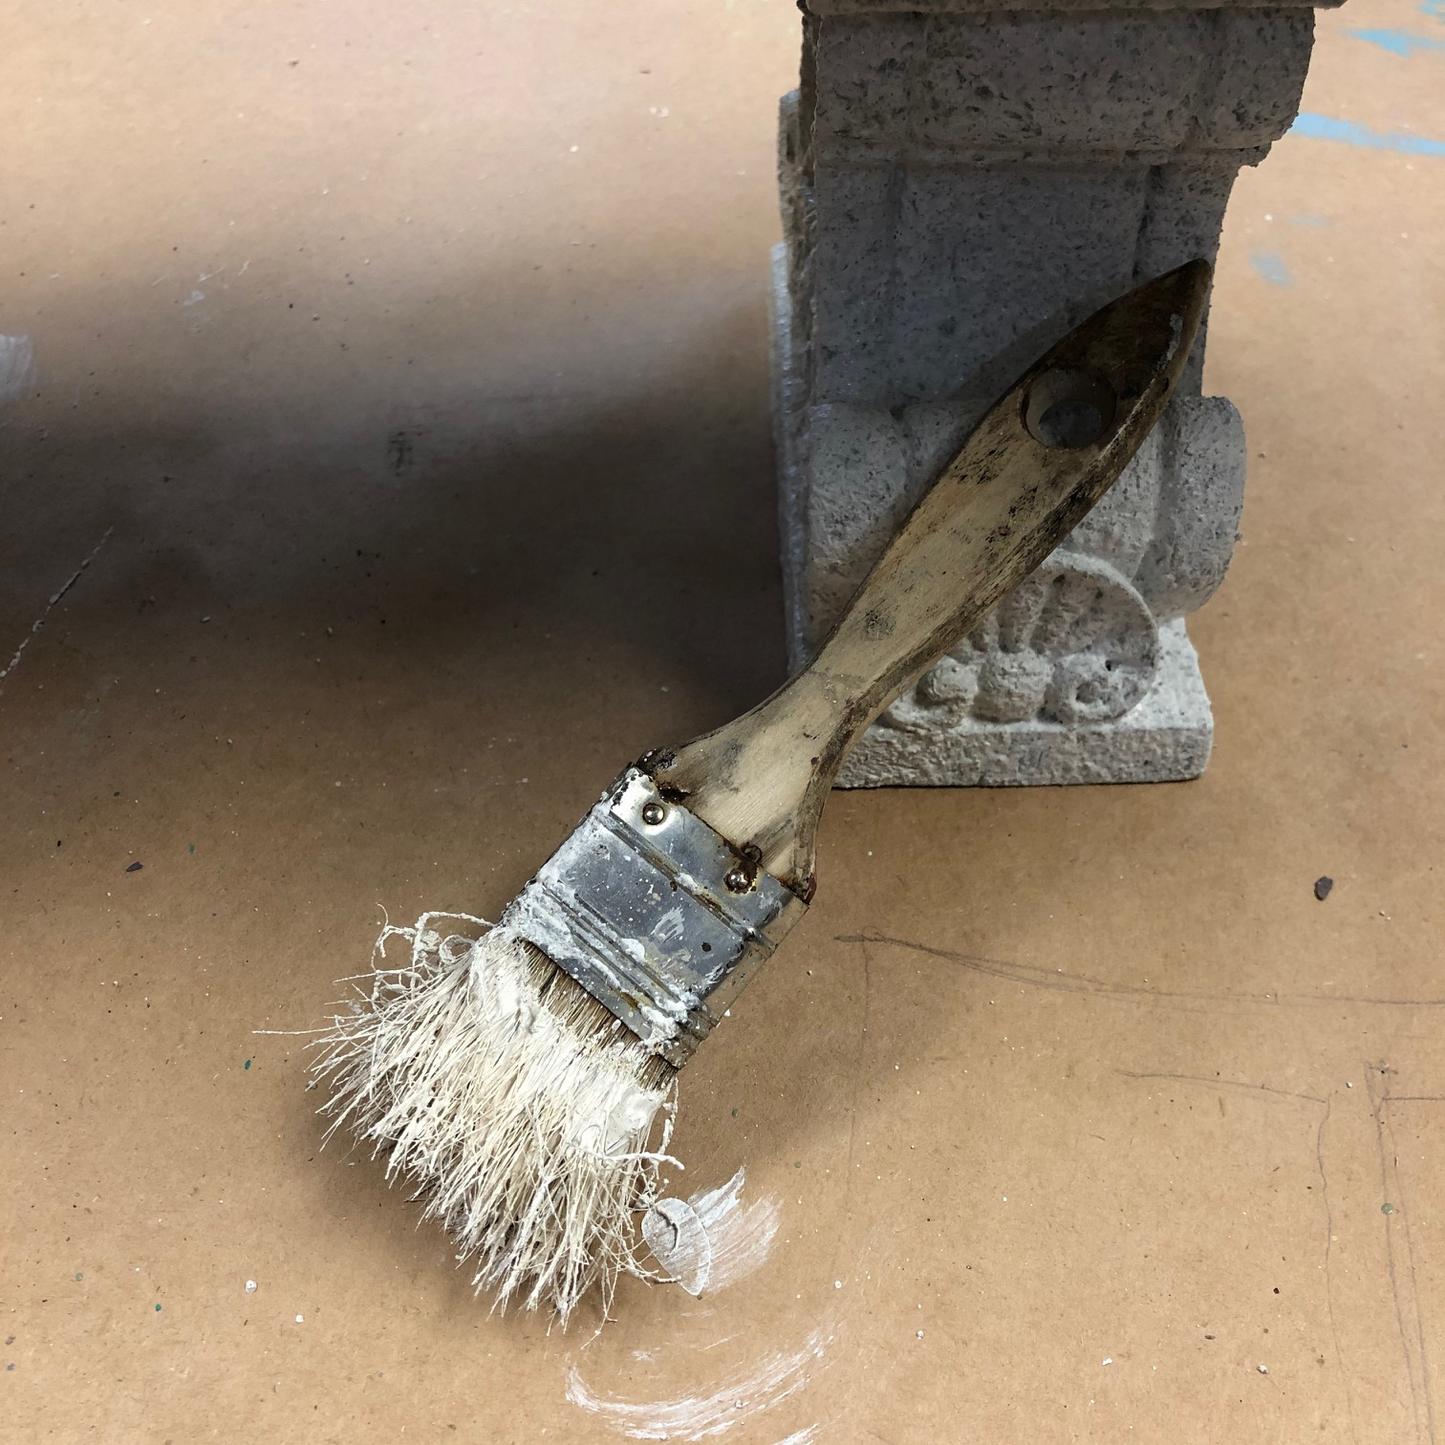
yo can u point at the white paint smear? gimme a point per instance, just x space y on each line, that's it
772 1380
17 367
805 1436
713 1239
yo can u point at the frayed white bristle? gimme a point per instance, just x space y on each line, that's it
504 1093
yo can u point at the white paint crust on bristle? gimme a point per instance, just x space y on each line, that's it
522 1125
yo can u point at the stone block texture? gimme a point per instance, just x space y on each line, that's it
960 187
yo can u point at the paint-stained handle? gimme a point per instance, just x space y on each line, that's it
1027 475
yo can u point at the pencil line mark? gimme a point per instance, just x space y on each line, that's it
858 1073
1378 1091
1077 983
1326 1103
1404 1213
50 606
1329 1276
1243 1086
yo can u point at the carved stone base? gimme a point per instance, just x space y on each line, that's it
1165 738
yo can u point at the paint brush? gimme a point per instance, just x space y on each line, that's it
523 1081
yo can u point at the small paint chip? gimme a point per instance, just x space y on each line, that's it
711 1240
158 1309
250 1286
190 847
135 867
679 1241
300 1319
837 1284
1109 1360
1263 1369
1387 1208
1323 884
247 1064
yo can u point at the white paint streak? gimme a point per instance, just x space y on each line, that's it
713 1239
50 606
17 367
772 1380
805 1436
741 1234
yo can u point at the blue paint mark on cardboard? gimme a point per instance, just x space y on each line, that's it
1350 132
1271 265
247 1064
1435 9
1397 42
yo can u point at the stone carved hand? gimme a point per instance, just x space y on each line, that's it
1074 643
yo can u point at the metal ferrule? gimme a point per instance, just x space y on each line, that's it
657 916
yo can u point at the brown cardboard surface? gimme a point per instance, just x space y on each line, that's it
407 364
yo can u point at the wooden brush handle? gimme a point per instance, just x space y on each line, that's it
1026 476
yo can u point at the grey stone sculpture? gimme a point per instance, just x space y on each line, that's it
960 187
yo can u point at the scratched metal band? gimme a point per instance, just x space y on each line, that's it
634 906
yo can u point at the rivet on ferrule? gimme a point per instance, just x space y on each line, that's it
738 879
